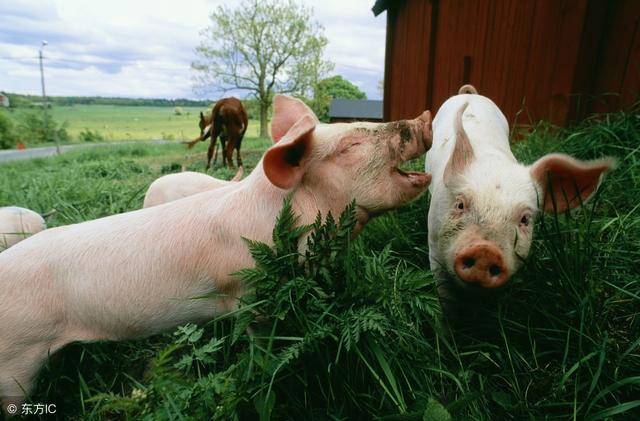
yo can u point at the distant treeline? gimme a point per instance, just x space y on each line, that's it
19 101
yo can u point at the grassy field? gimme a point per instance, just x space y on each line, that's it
117 123
353 330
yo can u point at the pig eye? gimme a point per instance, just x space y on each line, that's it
525 220
460 205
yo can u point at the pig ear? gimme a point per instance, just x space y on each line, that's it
567 182
462 151
286 112
284 163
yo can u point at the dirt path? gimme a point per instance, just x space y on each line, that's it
14 154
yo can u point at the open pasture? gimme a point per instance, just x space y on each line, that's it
121 122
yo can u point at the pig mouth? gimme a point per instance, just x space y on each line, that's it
416 178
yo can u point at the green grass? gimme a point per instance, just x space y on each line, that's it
117 123
352 330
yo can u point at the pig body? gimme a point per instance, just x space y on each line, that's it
143 272
495 179
483 201
17 223
176 186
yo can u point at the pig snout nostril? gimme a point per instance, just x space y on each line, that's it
483 264
495 270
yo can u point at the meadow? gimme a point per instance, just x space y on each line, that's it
127 123
353 329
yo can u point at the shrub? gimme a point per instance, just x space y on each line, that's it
8 136
178 111
90 136
38 127
171 168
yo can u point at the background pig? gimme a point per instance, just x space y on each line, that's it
172 187
16 224
483 202
137 273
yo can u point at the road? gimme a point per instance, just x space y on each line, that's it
15 154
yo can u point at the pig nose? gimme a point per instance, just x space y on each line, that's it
482 263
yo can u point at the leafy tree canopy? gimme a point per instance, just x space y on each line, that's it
334 87
261 47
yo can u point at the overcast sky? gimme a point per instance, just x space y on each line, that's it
144 48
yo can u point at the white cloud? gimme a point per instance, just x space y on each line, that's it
144 48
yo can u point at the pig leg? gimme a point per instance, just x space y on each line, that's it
17 374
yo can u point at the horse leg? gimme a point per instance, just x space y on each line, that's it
215 152
210 153
223 148
229 152
238 157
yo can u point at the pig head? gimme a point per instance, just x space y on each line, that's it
137 273
329 165
484 202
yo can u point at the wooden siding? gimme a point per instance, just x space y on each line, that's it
543 59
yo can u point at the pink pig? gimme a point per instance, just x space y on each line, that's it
172 187
136 274
16 224
483 201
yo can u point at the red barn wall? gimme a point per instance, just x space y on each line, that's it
542 59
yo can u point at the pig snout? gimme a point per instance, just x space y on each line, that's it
482 263
424 123
422 136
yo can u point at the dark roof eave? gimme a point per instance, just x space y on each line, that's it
382 5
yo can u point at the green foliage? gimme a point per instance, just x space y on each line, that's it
88 135
39 127
261 47
8 136
335 87
435 412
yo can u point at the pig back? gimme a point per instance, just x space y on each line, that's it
18 223
485 125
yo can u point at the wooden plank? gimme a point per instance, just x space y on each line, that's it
631 81
616 82
389 74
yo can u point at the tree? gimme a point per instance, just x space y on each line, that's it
261 47
330 88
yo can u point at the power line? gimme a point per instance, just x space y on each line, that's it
122 63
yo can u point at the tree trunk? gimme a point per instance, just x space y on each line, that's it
263 119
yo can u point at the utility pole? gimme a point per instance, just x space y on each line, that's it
44 100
